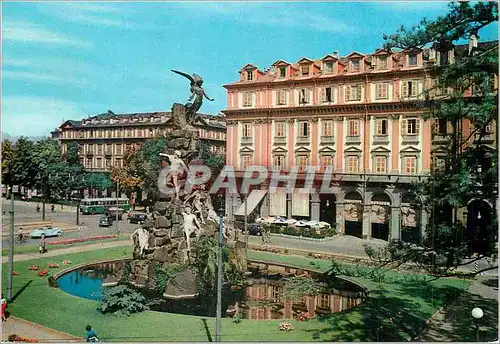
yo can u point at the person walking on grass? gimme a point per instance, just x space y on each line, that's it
90 334
4 306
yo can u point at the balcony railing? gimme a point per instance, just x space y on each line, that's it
353 139
280 139
411 138
246 140
381 139
327 139
303 139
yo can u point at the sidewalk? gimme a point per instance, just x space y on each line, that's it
6 206
68 250
27 329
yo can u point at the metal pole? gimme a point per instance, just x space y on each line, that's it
44 190
219 285
11 251
78 212
477 331
246 227
116 211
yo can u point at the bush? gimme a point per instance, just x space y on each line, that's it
122 300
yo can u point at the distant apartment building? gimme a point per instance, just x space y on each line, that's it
104 139
354 114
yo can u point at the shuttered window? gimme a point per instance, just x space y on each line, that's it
411 126
300 202
327 95
327 128
353 127
281 97
353 93
381 91
304 96
409 88
277 202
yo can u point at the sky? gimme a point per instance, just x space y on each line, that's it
71 60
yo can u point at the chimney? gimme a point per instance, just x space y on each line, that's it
336 54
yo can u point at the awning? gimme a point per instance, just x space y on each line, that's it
252 200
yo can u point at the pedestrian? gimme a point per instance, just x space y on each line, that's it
43 246
53 208
21 234
90 334
37 208
4 306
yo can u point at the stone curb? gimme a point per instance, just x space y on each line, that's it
64 336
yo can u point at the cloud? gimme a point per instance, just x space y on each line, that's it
416 5
26 32
88 13
42 78
31 116
271 14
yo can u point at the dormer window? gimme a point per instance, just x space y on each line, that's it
328 67
412 60
304 70
250 75
355 65
382 62
283 72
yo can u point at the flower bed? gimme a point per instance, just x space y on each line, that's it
53 265
33 267
77 240
15 273
300 231
67 262
285 327
43 272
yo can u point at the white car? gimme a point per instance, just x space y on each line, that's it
318 225
46 232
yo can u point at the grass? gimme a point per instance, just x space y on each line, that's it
396 310
34 248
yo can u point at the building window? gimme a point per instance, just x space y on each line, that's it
441 126
88 163
304 96
99 149
411 126
302 162
382 127
250 75
382 62
99 163
328 67
303 129
246 160
282 72
353 127
326 160
412 60
247 99
280 97
108 163
324 301
353 93
410 164
279 162
304 69
247 130
118 162
352 164
100 133
355 64
279 129
327 128
139 132
327 95
381 91
380 164
409 88
119 149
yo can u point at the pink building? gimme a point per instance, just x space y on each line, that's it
353 113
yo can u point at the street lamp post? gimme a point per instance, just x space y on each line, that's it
219 279
11 243
116 211
477 313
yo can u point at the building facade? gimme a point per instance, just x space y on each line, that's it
104 139
355 115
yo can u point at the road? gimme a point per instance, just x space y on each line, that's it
25 212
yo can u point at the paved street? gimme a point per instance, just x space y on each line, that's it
27 329
25 212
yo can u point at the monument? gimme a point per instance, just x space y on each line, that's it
179 217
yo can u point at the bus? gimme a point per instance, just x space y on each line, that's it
98 205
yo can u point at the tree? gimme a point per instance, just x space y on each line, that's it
71 156
127 176
23 170
46 153
216 164
470 172
98 180
7 156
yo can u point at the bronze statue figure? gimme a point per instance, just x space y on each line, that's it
197 92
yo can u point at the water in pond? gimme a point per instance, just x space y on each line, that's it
261 300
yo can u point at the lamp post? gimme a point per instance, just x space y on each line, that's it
219 278
116 212
477 313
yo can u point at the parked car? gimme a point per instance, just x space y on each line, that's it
105 221
44 232
138 218
254 229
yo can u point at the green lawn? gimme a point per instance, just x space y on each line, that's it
34 248
396 309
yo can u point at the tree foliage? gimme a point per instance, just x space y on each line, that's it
470 170
7 156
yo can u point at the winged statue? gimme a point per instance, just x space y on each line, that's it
197 93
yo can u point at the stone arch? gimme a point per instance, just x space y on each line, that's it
380 213
353 213
481 232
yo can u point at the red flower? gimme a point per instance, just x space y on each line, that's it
43 272
33 267
67 262
15 273
53 265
